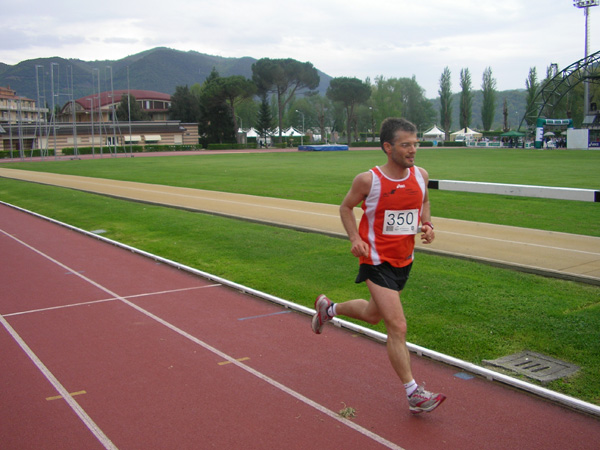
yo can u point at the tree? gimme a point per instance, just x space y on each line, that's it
129 109
232 91
532 86
349 92
401 97
264 124
505 115
283 77
322 108
216 122
446 101
184 105
488 110
466 98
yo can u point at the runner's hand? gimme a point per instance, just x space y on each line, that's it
428 235
360 248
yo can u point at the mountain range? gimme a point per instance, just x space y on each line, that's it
161 69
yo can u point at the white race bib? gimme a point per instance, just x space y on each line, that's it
401 222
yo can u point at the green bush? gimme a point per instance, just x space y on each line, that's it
365 144
7 154
453 144
229 146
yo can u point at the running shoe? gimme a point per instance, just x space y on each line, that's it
424 401
321 317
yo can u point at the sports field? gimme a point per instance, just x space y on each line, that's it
464 309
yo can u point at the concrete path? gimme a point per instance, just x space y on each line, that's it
563 255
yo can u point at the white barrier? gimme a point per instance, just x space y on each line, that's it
520 190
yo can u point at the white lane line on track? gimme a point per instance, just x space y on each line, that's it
64 393
529 244
112 299
102 437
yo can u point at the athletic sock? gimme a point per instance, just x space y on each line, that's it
331 310
410 387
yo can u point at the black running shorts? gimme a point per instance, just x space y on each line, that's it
384 275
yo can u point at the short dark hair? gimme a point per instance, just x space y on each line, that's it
389 127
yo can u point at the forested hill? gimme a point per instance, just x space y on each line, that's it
160 69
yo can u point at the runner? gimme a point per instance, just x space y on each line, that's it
395 200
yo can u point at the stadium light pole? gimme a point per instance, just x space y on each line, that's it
585 5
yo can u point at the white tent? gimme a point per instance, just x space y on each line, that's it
435 134
465 134
289 132
251 132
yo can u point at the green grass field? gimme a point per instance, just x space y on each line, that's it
465 309
326 176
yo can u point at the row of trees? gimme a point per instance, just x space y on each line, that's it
567 103
488 87
282 93
285 89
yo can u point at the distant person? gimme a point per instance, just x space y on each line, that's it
395 200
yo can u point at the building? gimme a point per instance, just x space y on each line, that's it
100 107
14 109
97 137
93 125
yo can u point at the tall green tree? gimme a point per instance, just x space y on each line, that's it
386 98
232 90
488 109
283 78
264 122
216 122
445 92
322 108
184 105
466 98
532 86
349 92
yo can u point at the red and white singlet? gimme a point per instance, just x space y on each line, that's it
392 213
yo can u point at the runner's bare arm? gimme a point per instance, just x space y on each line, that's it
357 193
428 234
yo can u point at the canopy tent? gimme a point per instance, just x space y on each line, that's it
465 134
435 134
289 132
250 133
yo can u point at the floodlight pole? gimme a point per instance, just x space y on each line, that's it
585 5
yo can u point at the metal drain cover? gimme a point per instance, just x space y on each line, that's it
535 365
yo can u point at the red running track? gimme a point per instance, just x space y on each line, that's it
105 348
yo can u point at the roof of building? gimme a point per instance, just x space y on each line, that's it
106 97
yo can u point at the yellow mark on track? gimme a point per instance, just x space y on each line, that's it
229 362
72 394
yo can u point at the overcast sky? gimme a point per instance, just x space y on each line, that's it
390 38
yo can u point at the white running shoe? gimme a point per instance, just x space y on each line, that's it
424 401
321 317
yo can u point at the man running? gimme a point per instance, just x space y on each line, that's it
394 200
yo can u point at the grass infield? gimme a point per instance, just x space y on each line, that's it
325 177
465 309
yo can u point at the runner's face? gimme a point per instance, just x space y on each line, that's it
404 149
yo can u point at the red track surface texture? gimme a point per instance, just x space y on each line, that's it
157 358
